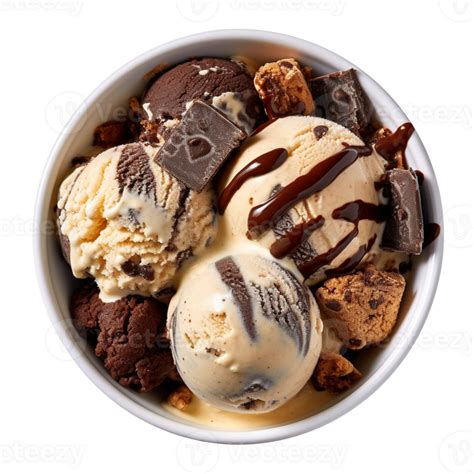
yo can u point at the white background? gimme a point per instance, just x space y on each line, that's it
53 53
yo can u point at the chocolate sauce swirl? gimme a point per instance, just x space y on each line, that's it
295 237
261 165
358 210
397 142
263 126
351 262
308 267
318 178
352 212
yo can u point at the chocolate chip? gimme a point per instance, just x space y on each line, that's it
134 269
355 342
215 352
348 296
375 303
320 131
199 145
333 305
286 64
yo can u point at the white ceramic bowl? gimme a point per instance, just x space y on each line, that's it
111 96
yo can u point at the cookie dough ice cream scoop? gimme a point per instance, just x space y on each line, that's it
126 222
306 188
245 333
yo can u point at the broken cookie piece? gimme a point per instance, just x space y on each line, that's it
334 373
283 89
404 228
362 308
125 335
180 398
339 97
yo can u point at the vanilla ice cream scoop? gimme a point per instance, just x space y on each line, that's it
245 333
306 188
126 222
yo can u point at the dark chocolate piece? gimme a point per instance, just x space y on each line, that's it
339 97
404 228
199 145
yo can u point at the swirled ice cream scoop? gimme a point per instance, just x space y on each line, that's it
245 333
129 224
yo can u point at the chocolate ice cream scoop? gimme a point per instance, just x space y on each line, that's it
224 84
245 333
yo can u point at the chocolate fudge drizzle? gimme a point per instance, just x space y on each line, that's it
431 229
432 232
263 164
318 178
358 210
295 237
263 126
351 262
352 212
395 143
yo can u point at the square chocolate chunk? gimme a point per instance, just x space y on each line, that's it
404 228
339 97
199 145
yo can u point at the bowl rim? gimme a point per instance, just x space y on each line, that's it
258 435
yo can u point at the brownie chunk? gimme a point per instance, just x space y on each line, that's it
112 133
334 373
362 308
126 335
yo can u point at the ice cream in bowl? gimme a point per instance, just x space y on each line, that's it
251 249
